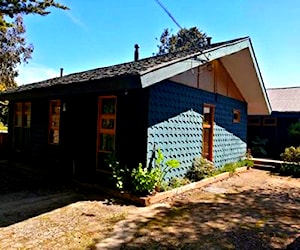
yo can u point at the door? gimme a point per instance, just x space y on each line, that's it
208 127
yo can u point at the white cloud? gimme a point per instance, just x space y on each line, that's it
35 73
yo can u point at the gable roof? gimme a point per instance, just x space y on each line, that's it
236 55
284 99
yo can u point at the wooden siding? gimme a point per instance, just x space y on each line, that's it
211 77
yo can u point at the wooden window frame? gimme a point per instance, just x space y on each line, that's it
236 113
274 124
21 122
55 128
109 117
23 113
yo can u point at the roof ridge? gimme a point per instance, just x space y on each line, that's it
290 87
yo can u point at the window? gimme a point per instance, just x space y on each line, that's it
254 121
207 132
54 121
269 121
107 124
22 123
236 116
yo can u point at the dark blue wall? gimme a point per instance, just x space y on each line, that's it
175 124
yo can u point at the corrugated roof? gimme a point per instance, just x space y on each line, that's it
125 69
284 99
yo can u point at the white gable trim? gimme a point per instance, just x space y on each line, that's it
165 71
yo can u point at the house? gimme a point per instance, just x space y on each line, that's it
271 131
188 104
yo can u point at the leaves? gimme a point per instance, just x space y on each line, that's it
185 39
13 51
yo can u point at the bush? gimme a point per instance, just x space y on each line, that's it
201 168
290 169
144 180
291 154
176 182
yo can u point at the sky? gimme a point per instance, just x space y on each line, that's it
98 33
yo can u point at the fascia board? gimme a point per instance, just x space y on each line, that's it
173 68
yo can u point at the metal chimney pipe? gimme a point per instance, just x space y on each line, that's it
61 72
136 52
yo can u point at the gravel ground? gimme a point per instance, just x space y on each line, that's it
250 210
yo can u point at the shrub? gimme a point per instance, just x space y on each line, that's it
294 130
201 168
120 174
291 154
144 180
164 168
176 182
290 169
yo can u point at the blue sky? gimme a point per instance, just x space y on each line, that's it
97 33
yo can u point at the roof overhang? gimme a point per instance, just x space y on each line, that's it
239 60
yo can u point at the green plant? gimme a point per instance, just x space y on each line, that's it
201 168
176 182
292 169
119 173
258 146
291 154
164 167
145 180
294 130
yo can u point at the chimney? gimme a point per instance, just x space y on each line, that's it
208 41
136 52
61 72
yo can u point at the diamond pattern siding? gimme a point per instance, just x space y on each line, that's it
175 125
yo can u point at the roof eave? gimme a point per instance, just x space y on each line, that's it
228 51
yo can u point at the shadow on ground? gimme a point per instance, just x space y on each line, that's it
252 219
26 192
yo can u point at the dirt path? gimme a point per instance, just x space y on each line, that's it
251 210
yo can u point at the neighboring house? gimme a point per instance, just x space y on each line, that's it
187 104
273 129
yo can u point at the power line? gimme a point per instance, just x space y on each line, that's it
169 13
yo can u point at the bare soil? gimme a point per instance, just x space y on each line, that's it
251 210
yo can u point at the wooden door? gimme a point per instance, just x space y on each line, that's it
208 128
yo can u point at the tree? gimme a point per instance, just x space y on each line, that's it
13 51
13 47
185 39
11 8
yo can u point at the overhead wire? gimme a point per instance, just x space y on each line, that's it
179 26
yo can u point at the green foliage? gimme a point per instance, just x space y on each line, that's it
176 182
258 146
4 112
185 39
144 180
294 130
291 169
291 154
201 168
12 8
119 173
14 50
164 167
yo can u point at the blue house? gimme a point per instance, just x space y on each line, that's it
188 104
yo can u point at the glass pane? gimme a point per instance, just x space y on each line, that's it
54 136
107 142
18 120
108 105
18 107
108 123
